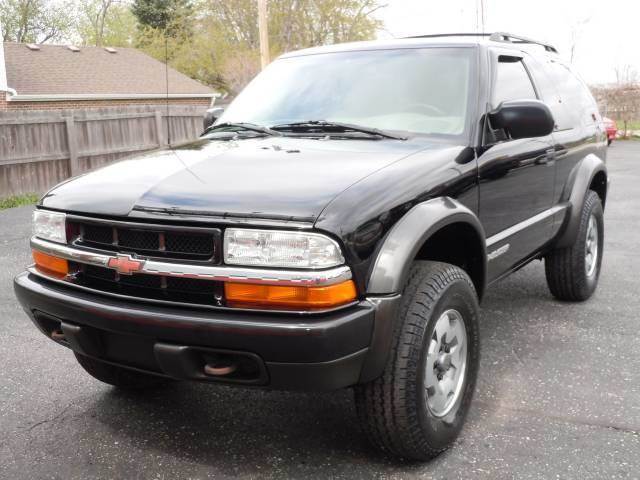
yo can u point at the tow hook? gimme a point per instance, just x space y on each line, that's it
58 335
219 369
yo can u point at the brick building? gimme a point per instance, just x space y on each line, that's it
43 77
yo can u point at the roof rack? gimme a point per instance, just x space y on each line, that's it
510 38
436 35
496 37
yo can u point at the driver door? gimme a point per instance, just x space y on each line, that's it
516 177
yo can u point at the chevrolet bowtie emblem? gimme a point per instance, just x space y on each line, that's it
125 264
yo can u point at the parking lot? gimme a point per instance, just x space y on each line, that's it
558 394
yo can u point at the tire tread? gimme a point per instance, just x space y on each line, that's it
386 406
564 267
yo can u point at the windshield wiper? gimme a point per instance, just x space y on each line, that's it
250 127
335 127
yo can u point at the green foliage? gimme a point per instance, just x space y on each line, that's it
162 14
297 24
223 47
34 21
18 200
213 41
104 22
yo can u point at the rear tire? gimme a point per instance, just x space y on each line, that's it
572 272
118 376
416 409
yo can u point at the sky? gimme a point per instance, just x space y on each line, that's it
606 33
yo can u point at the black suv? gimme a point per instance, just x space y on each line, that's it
336 227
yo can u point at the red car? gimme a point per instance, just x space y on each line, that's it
611 128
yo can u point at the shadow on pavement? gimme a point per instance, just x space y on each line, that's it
224 427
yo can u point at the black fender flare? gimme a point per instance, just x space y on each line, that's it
574 193
391 267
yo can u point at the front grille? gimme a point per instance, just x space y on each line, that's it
166 243
185 290
138 239
157 241
98 233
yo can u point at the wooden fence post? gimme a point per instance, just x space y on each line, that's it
73 146
159 133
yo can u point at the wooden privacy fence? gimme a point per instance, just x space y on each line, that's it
41 148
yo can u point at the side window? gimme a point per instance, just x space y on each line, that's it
512 82
547 88
574 96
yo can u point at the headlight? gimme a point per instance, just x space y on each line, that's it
271 248
50 226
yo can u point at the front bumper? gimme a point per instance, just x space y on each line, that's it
307 352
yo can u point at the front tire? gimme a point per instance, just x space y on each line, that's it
416 409
573 272
117 376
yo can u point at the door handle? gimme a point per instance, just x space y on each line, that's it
548 158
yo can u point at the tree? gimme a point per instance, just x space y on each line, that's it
217 41
575 31
34 21
626 75
293 24
106 22
621 101
162 14
625 96
296 24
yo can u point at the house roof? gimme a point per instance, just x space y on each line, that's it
57 70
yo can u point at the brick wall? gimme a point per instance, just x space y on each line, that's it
3 100
75 104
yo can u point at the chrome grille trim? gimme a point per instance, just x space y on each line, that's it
203 272
34 271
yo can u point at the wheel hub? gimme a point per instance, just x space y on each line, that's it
443 363
446 363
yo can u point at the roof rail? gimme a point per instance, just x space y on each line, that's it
510 38
436 35
496 37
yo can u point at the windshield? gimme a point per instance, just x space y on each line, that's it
423 91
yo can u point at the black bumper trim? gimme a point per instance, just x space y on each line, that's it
184 362
275 338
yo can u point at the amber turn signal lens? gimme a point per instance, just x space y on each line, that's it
252 295
54 266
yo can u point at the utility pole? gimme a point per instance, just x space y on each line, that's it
264 33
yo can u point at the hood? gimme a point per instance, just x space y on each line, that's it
285 178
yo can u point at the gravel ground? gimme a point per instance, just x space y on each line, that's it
558 394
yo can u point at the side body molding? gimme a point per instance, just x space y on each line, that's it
574 193
393 262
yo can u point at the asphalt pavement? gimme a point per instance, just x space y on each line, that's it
558 394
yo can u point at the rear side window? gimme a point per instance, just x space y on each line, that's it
574 95
512 82
540 69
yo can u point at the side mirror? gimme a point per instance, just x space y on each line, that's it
523 118
211 116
